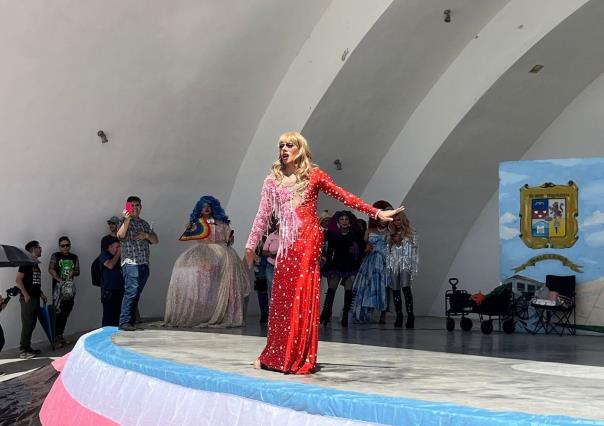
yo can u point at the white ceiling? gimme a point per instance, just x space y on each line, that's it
385 78
461 177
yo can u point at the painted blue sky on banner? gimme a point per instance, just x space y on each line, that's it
588 251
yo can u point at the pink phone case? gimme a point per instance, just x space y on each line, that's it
128 207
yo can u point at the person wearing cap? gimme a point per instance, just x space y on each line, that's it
112 284
113 223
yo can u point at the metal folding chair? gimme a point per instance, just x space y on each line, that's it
561 316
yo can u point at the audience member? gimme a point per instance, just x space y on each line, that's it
135 235
112 284
112 223
64 266
29 281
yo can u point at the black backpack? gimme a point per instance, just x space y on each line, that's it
96 272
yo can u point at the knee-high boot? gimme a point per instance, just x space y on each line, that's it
348 295
327 305
409 307
398 305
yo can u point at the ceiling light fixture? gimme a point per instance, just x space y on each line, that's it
536 69
103 136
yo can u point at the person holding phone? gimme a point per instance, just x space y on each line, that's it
136 236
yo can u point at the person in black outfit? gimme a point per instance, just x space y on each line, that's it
260 283
345 246
112 223
112 284
29 281
64 266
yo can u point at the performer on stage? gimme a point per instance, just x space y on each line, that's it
403 259
209 281
371 284
344 253
291 191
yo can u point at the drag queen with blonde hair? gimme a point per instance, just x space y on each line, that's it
290 191
403 259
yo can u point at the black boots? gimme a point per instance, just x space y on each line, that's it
410 321
347 304
398 306
409 307
327 305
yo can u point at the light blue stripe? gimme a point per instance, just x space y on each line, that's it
314 399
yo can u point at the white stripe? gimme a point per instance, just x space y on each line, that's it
131 398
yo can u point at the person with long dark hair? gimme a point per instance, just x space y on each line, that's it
343 258
291 191
372 281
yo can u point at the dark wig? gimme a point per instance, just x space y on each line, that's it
218 212
382 205
333 222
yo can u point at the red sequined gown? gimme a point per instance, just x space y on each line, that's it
293 326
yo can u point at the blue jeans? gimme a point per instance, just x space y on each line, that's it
135 278
270 276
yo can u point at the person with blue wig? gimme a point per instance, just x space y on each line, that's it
210 283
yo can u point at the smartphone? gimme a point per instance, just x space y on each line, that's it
128 207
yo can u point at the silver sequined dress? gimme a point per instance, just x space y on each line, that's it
402 260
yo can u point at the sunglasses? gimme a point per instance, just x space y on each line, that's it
64 245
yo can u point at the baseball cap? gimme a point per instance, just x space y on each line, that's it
113 219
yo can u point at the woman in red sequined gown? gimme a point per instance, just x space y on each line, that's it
290 191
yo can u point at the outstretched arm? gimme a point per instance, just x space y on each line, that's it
260 224
330 188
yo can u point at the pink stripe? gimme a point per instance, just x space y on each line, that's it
59 363
61 409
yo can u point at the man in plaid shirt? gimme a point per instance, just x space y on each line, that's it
135 235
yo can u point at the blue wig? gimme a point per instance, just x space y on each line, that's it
217 211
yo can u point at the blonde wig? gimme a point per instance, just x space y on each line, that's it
406 230
302 161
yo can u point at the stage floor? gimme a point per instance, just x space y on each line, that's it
430 335
487 382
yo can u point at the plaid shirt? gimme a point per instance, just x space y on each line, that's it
135 252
